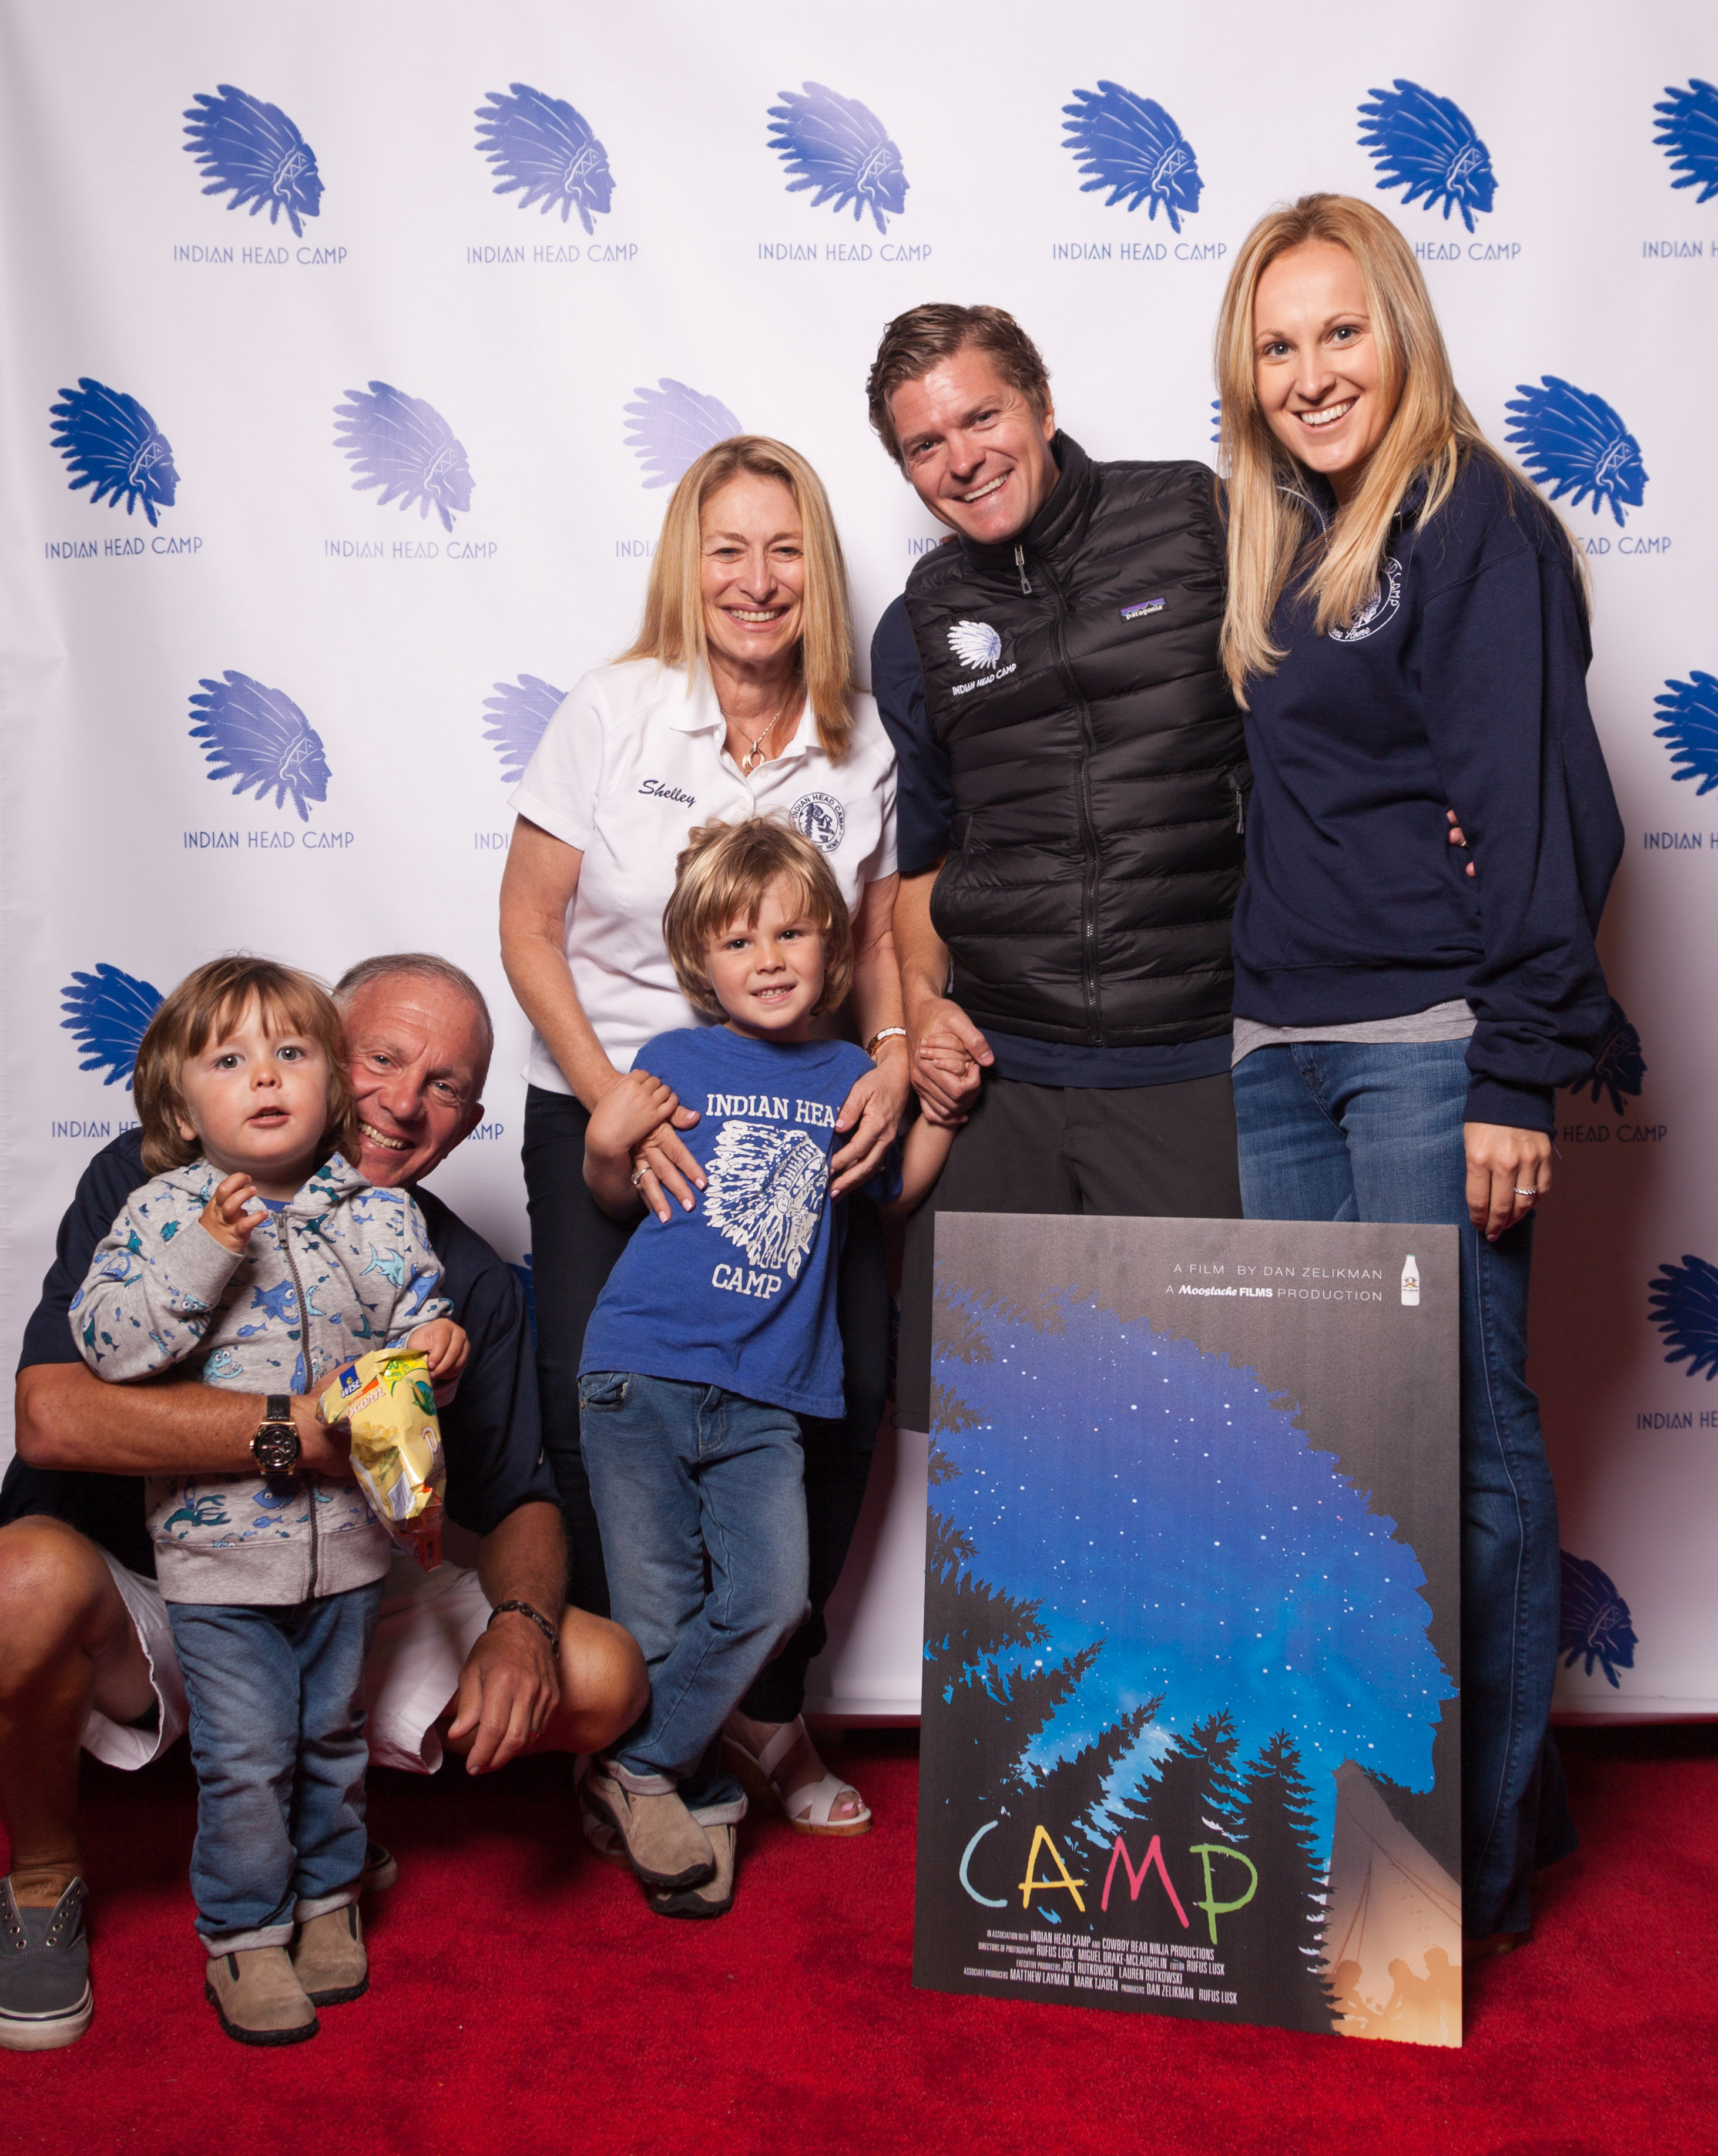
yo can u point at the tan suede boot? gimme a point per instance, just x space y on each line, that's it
329 1958
259 1998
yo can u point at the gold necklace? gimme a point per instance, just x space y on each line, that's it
755 754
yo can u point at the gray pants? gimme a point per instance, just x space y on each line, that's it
1162 1151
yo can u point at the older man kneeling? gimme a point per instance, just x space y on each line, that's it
487 1660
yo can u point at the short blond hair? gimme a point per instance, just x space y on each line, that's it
723 875
201 1008
672 630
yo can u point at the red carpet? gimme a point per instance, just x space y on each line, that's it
523 2000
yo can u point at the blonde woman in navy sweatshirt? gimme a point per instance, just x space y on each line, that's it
1406 630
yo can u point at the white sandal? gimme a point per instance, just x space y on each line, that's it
757 1770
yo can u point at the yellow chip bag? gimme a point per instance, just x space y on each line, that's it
387 1400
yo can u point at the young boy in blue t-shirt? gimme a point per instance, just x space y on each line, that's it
717 1329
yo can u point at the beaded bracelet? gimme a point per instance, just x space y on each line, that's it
887 1032
538 1619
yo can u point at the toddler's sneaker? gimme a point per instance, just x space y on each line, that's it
715 1897
329 1958
44 1972
664 1844
259 1997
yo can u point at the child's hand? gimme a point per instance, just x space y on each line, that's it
225 1217
636 1109
633 1106
448 1349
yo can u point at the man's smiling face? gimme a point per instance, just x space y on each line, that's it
416 1054
976 448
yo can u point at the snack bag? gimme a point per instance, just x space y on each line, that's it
386 1398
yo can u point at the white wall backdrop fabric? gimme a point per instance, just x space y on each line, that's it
348 354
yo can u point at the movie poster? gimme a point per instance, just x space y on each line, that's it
1190 1740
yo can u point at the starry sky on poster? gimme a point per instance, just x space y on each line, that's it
1151 1495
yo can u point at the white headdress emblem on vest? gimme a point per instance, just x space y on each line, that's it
975 645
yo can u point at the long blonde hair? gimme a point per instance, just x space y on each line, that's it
1429 432
672 629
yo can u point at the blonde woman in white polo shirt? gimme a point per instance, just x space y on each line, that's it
736 699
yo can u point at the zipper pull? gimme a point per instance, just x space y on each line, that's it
1240 802
1026 582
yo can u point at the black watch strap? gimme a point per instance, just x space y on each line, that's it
537 1617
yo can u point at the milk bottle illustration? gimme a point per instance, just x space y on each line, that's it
1411 1283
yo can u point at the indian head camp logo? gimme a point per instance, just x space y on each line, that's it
519 712
1687 132
404 448
1131 146
821 819
766 1188
545 152
1688 712
1619 1067
107 1013
1573 443
1378 611
111 446
671 427
1683 1303
975 645
252 152
258 737
839 147
1594 1625
1427 145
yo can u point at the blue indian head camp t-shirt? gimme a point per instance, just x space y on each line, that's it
740 1292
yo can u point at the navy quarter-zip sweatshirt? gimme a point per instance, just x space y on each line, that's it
1462 685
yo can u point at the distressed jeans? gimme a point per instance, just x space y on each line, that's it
1353 1131
683 1476
277 1734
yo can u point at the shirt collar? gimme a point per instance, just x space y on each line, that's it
701 712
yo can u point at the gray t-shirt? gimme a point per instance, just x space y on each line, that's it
1450 1021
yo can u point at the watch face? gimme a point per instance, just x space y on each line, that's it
276 1448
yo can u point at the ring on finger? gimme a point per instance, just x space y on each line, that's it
639 1173
1520 1192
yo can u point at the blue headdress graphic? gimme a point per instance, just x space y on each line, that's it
1683 1300
671 426
544 152
1618 1067
1131 146
110 443
405 447
1595 1619
840 148
253 151
259 737
1574 443
1688 135
110 1012
1690 712
1428 144
518 712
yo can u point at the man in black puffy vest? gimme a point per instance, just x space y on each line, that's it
1072 804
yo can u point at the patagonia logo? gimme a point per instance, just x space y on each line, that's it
1143 607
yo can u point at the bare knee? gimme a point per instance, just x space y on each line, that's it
603 1676
57 1596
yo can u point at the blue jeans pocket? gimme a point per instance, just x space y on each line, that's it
605 1388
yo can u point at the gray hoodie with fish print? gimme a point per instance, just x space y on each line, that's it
339 1269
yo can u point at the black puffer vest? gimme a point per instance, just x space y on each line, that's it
1099 772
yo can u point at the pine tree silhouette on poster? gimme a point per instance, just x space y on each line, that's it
1189 1799
1271 1946
1077 1789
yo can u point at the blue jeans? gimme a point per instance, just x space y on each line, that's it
682 1475
1345 1131
277 1733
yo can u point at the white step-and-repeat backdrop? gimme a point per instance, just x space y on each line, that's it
348 352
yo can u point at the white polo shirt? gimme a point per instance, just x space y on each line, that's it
632 760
